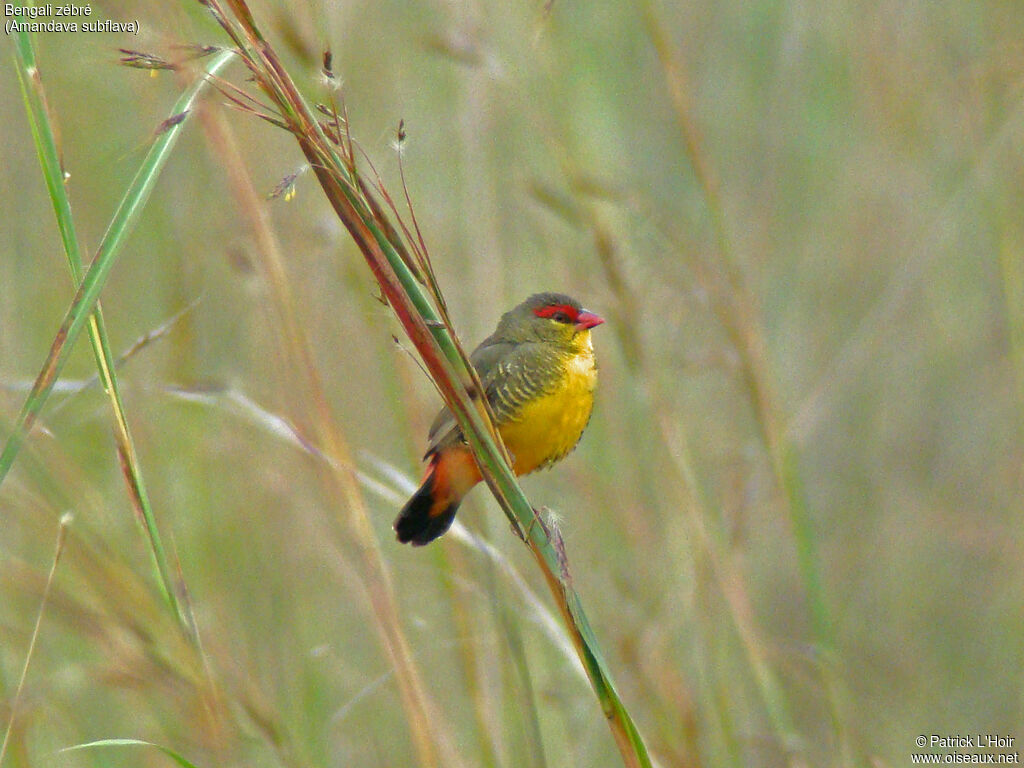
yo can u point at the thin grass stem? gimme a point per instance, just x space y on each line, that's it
439 348
62 531
43 133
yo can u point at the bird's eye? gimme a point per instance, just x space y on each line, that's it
560 317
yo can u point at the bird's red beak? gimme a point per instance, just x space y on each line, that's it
586 320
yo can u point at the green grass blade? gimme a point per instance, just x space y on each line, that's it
46 145
503 483
512 499
439 349
43 136
88 293
544 541
133 743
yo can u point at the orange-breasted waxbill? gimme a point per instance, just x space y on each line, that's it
538 372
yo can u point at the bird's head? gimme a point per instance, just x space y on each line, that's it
551 317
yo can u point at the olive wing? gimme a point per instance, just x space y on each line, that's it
512 375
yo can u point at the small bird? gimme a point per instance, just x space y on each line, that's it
538 373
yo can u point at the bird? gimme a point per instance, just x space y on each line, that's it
538 374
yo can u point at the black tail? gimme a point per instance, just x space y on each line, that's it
424 518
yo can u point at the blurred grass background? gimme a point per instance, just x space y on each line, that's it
846 176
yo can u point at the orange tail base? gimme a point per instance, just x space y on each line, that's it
431 510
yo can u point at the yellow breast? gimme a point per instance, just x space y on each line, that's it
549 427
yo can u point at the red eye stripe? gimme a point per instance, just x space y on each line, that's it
553 309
